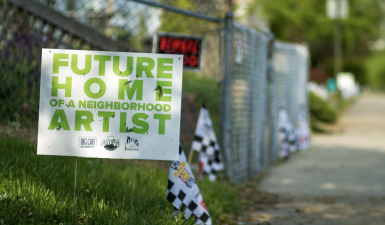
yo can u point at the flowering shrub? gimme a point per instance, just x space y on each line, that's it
20 77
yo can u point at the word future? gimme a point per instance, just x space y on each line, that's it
84 118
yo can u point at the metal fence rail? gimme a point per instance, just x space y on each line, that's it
257 76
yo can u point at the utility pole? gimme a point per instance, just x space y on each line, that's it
337 42
337 10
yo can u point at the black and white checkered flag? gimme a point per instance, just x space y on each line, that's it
183 192
287 135
303 129
205 142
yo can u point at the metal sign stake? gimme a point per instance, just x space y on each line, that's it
73 207
132 191
190 156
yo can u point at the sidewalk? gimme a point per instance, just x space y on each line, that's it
340 179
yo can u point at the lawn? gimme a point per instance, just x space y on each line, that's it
38 189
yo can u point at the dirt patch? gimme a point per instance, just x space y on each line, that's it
14 131
307 210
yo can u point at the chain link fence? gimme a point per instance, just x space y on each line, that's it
248 107
255 78
291 68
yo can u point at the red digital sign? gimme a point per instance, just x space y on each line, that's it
189 46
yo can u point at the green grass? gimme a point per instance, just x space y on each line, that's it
39 190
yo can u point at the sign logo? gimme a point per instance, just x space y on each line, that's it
87 142
111 143
182 173
131 144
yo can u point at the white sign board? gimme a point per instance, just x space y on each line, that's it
347 85
337 9
345 81
110 104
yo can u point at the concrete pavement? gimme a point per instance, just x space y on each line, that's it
340 179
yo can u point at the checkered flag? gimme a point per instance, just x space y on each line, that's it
303 130
183 192
205 142
287 135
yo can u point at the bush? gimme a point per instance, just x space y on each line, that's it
375 70
20 79
322 110
206 91
353 65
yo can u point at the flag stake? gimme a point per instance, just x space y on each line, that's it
190 156
132 191
73 207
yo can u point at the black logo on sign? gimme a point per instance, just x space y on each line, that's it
111 143
131 144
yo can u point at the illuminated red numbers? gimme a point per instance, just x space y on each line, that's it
193 61
185 60
162 44
188 47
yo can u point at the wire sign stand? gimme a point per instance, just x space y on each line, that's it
73 207
132 190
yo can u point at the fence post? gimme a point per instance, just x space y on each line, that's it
226 95
272 110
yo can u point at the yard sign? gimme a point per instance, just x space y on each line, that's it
110 104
